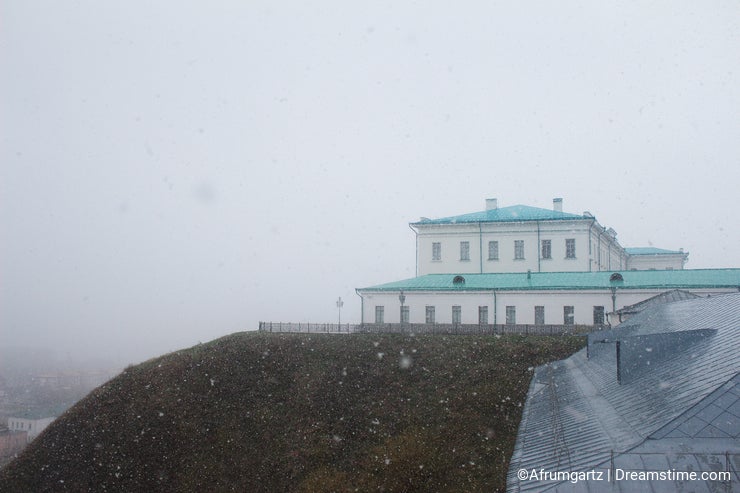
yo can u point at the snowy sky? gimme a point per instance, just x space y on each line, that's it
172 172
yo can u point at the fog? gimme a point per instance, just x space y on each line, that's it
177 171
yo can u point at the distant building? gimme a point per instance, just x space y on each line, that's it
649 258
11 442
3 387
522 238
658 394
526 265
32 422
72 379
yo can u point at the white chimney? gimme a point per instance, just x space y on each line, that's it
557 205
491 204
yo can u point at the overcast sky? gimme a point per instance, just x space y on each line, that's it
172 172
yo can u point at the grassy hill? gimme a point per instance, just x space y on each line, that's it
256 412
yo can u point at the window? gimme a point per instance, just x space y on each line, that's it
436 251
429 315
598 315
546 249
510 315
570 248
456 314
379 312
568 316
464 250
518 249
539 315
404 314
493 250
483 315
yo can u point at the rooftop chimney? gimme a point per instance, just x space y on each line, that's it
557 205
491 204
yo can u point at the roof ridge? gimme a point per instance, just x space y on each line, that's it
510 213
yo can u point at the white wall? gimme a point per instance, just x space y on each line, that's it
656 262
32 426
524 301
597 249
606 252
478 236
417 303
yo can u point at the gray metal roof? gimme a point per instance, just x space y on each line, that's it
675 407
665 297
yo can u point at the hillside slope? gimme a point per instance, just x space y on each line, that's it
297 412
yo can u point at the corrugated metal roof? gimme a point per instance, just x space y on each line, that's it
639 279
666 297
514 213
716 416
651 251
678 411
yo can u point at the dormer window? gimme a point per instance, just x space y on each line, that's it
458 281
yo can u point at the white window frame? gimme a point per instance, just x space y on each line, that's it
518 249
546 249
493 250
405 311
464 251
569 315
379 314
456 314
429 314
539 320
436 250
601 311
483 315
570 248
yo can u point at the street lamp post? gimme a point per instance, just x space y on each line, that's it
614 299
615 281
401 298
340 304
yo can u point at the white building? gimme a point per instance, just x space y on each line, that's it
31 423
527 265
521 238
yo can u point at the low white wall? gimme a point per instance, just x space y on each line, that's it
583 303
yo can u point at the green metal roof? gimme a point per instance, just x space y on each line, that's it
514 213
40 412
638 279
651 251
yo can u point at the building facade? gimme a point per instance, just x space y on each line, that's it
11 442
521 238
32 424
526 265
